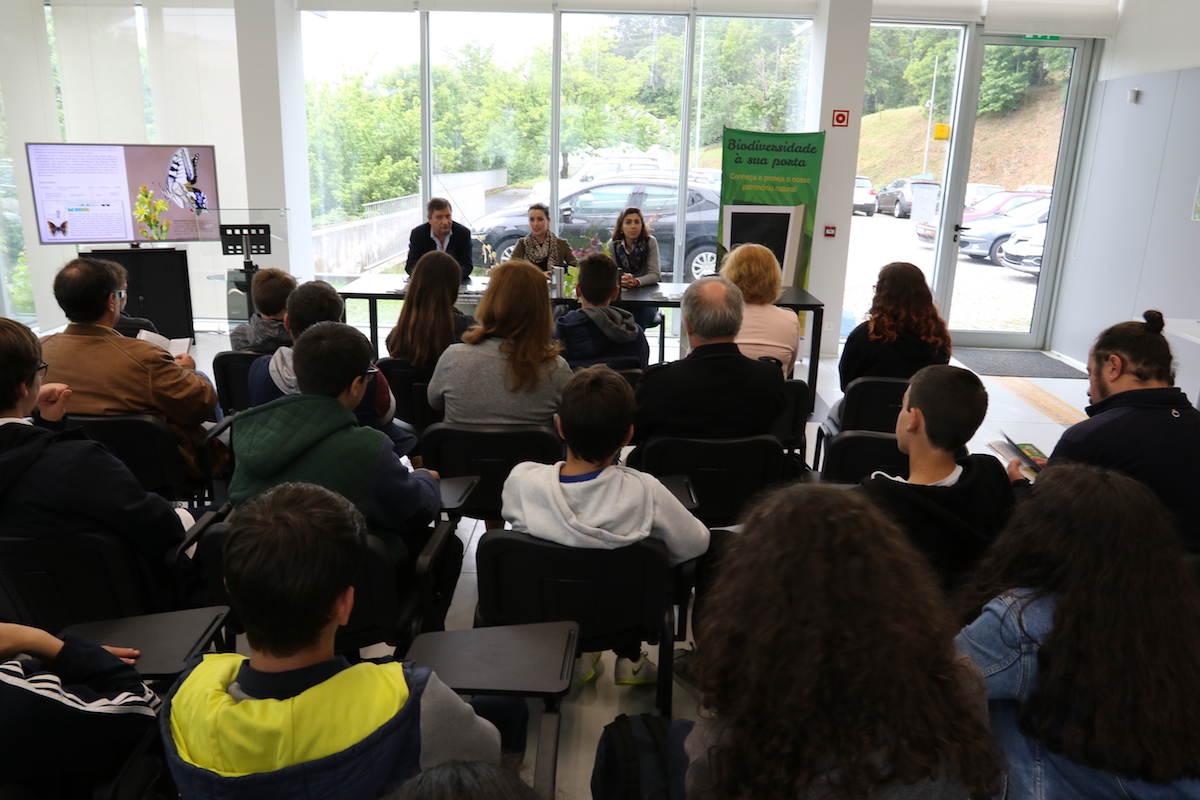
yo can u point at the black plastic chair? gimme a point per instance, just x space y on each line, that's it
632 376
853 455
386 609
724 473
147 445
616 596
870 404
790 427
490 452
410 387
56 582
231 373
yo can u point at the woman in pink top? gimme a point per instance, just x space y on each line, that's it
767 329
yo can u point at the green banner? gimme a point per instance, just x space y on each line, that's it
772 169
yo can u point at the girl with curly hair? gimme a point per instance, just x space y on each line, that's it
507 370
903 331
1085 618
429 322
836 675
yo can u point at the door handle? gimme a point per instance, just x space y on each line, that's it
958 228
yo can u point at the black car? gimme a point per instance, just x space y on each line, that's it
591 212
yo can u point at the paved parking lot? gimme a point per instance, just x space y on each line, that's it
986 297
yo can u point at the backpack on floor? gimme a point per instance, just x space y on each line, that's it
639 758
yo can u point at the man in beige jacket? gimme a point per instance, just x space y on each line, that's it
110 374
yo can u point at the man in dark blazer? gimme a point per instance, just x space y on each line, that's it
441 232
716 392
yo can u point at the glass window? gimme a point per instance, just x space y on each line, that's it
911 76
659 200
750 74
363 89
491 113
622 102
15 288
601 200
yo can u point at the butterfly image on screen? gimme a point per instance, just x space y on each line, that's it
58 230
181 182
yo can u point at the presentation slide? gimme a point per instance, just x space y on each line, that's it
88 193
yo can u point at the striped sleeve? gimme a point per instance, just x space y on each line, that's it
82 713
86 679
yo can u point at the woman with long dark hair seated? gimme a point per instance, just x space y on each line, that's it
1085 620
636 253
507 370
903 331
828 667
429 322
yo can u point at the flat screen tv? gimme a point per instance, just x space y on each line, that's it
89 193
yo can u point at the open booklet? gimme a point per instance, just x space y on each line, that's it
1007 449
172 346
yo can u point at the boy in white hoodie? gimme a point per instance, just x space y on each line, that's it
588 501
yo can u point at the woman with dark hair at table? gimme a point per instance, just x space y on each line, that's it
507 370
636 253
429 322
827 666
541 247
903 331
1084 616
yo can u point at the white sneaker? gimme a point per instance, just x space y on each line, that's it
635 673
586 667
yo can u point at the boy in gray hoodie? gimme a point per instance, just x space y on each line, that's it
588 501
599 333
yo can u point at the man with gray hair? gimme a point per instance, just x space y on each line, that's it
716 392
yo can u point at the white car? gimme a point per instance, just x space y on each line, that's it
864 195
1023 252
594 170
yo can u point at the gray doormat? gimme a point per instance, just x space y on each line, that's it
1015 363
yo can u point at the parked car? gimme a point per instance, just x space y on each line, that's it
1023 252
985 237
864 196
1040 188
595 169
998 203
592 211
978 191
897 196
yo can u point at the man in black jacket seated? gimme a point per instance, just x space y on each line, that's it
950 509
59 482
1141 424
716 392
441 232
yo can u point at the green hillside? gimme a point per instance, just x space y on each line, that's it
1010 151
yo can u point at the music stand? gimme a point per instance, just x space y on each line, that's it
245 241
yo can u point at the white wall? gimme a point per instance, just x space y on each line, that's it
1131 243
1153 36
841 34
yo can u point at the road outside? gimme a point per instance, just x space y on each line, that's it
986 297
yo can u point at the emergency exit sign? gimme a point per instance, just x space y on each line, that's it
1041 38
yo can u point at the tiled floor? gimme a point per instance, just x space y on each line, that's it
1028 410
